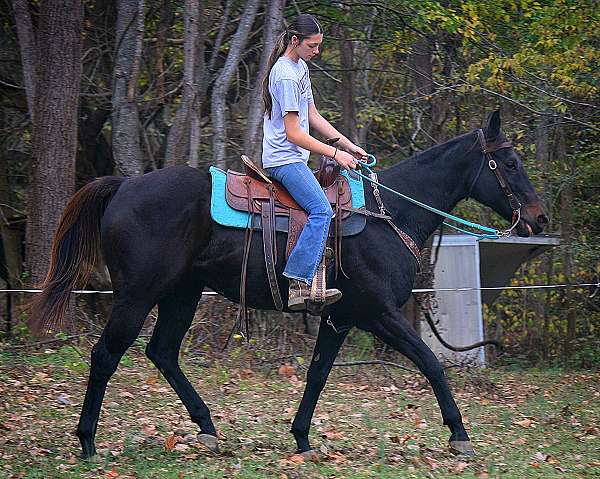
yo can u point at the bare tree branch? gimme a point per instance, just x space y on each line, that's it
218 105
252 144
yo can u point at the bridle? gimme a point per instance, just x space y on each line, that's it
488 150
491 233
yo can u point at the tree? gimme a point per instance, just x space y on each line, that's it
125 118
252 141
28 50
348 86
223 81
57 86
178 141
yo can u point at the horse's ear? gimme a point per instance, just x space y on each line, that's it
492 125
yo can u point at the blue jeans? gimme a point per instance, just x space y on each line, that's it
301 183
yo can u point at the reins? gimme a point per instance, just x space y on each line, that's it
487 150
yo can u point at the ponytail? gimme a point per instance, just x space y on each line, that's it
278 50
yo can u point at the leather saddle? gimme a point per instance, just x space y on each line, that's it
255 193
268 198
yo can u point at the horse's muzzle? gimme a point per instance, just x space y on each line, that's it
533 220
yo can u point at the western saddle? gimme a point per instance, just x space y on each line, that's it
254 192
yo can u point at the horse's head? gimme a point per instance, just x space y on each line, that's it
501 164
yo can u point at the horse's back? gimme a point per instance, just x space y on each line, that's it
157 222
167 189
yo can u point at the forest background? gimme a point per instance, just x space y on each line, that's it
125 87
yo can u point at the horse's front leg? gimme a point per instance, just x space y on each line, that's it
326 349
395 330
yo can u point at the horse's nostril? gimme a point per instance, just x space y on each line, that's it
542 220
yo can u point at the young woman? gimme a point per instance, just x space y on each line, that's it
289 112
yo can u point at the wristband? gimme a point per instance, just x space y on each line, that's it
334 153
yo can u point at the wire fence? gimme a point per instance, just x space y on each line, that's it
417 290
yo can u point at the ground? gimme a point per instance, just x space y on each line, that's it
369 423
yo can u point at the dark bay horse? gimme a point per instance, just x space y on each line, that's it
162 247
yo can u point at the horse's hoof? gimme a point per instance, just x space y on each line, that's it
89 457
310 455
463 448
88 453
210 442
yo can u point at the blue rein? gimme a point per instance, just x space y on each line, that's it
490 233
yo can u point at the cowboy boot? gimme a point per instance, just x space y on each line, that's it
316 296
302 296
299 294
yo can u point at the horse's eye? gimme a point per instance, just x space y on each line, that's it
511 165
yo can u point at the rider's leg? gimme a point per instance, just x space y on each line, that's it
304 259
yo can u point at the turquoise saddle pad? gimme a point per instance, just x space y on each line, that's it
225 215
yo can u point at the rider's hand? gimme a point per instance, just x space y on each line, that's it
356 151
346 160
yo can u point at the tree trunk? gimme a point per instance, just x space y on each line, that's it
542 154
55 127
252 141
201 76
166 18
366 90
432 112
218 105
125 119
11 241
441 103
220 36
348 92
421 71
179 134
28 50
566 220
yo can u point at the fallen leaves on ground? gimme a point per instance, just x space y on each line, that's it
363 423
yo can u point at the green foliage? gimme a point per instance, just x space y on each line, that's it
586 353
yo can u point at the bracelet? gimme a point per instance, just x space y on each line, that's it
334 153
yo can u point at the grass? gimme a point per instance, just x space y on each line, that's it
369 423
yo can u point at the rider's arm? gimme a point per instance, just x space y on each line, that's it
298 136
322 126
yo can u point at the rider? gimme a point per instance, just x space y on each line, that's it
289 110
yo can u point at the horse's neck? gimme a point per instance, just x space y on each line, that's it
438 177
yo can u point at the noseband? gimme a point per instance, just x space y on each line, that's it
487 151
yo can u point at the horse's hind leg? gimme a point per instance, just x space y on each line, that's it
175 314
395 330
126 321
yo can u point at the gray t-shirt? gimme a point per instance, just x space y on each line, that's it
290 88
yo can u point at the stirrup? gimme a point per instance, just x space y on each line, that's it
320 296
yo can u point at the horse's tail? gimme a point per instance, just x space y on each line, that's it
75 250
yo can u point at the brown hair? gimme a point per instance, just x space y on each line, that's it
303 26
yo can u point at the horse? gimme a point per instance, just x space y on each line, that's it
161 247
